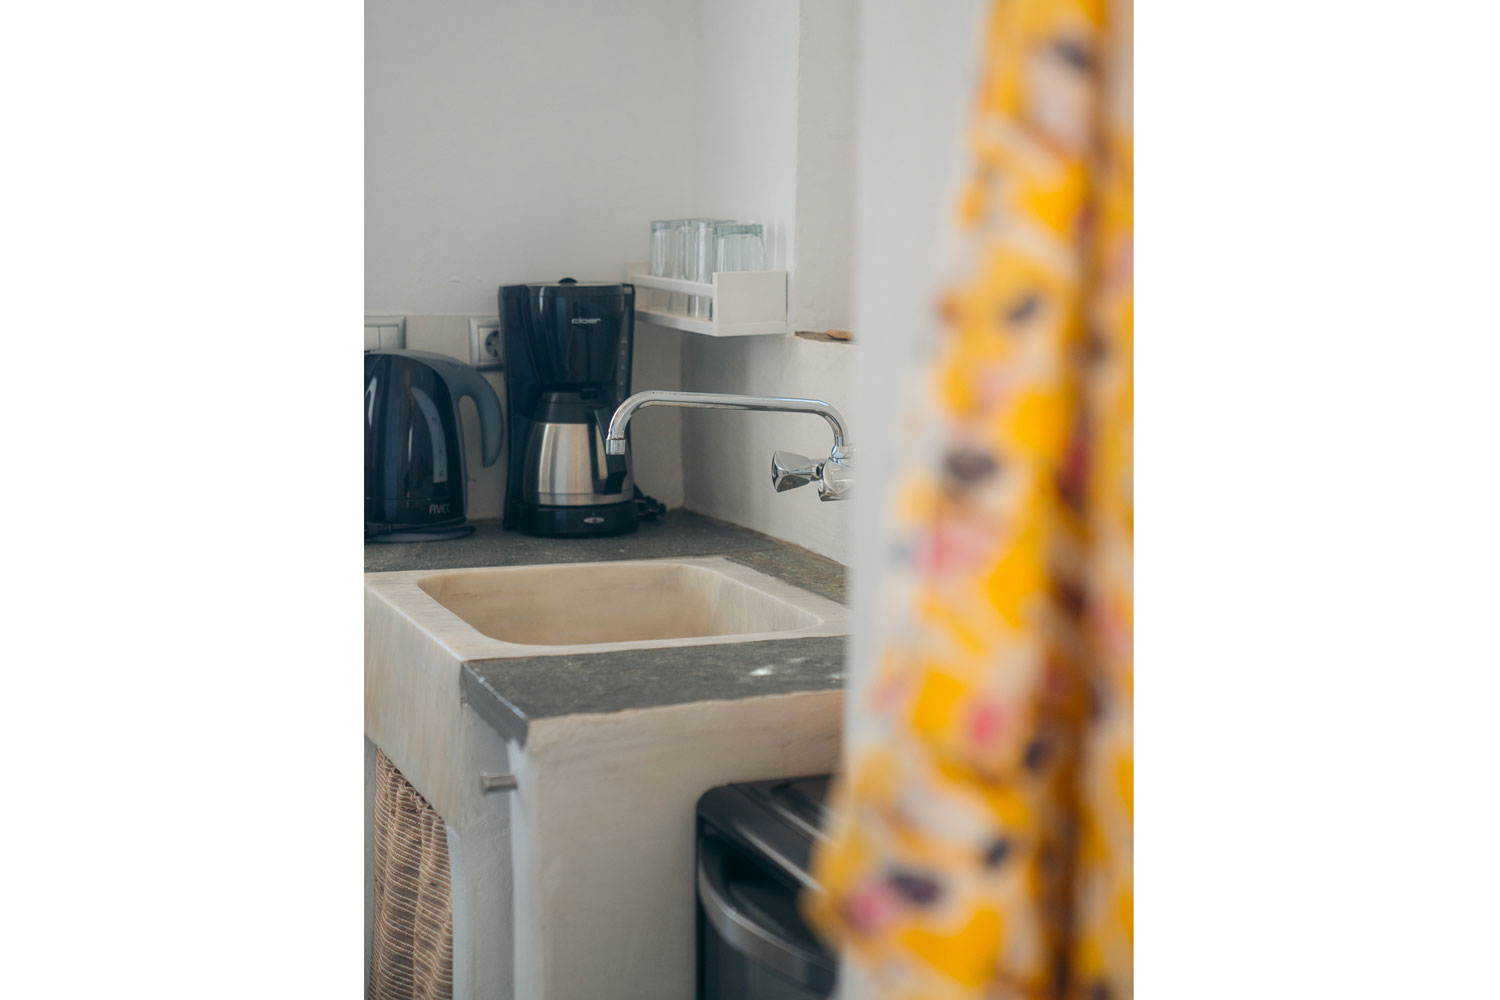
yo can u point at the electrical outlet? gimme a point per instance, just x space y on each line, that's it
385 333
484 342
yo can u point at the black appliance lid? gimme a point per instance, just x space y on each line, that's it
568 288
780 820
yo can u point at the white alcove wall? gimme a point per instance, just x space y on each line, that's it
505 143
776 139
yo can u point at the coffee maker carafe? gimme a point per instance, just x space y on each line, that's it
567 348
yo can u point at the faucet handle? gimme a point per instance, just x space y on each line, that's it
790 470
836 477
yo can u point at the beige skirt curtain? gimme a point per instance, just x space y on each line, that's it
412 951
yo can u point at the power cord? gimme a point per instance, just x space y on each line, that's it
648 508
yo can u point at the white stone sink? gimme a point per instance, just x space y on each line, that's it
518 859
590 604
594 607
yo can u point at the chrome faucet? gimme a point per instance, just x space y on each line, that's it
834 475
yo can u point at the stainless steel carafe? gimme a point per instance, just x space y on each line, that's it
566 464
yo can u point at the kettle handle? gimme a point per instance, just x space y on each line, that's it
465 381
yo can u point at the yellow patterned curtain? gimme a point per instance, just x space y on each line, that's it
982 845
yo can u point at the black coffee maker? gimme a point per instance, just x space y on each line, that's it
567 348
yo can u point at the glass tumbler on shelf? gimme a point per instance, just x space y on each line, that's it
740 246
703 245
660 264
680 260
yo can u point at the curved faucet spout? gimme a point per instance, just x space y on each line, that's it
615 443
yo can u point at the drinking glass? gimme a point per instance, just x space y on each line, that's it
739 246
661 256
680 262
704 246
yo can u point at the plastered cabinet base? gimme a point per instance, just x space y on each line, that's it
578 883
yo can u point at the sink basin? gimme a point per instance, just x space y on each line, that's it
639 602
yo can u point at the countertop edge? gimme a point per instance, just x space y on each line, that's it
513 723
504 716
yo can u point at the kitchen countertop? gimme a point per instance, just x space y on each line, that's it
511 693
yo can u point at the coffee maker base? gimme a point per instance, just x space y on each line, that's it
564 522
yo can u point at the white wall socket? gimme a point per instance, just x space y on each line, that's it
385 333
484 342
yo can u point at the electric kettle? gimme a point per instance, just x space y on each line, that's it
414 451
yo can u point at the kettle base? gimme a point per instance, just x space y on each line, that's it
567 522
422 535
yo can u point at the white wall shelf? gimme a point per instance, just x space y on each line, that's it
745 303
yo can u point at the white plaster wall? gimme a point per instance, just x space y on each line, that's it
778 150
746 92
826 67
918 65
506 143
520 141
727 453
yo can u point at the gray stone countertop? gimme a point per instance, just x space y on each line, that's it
510 693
